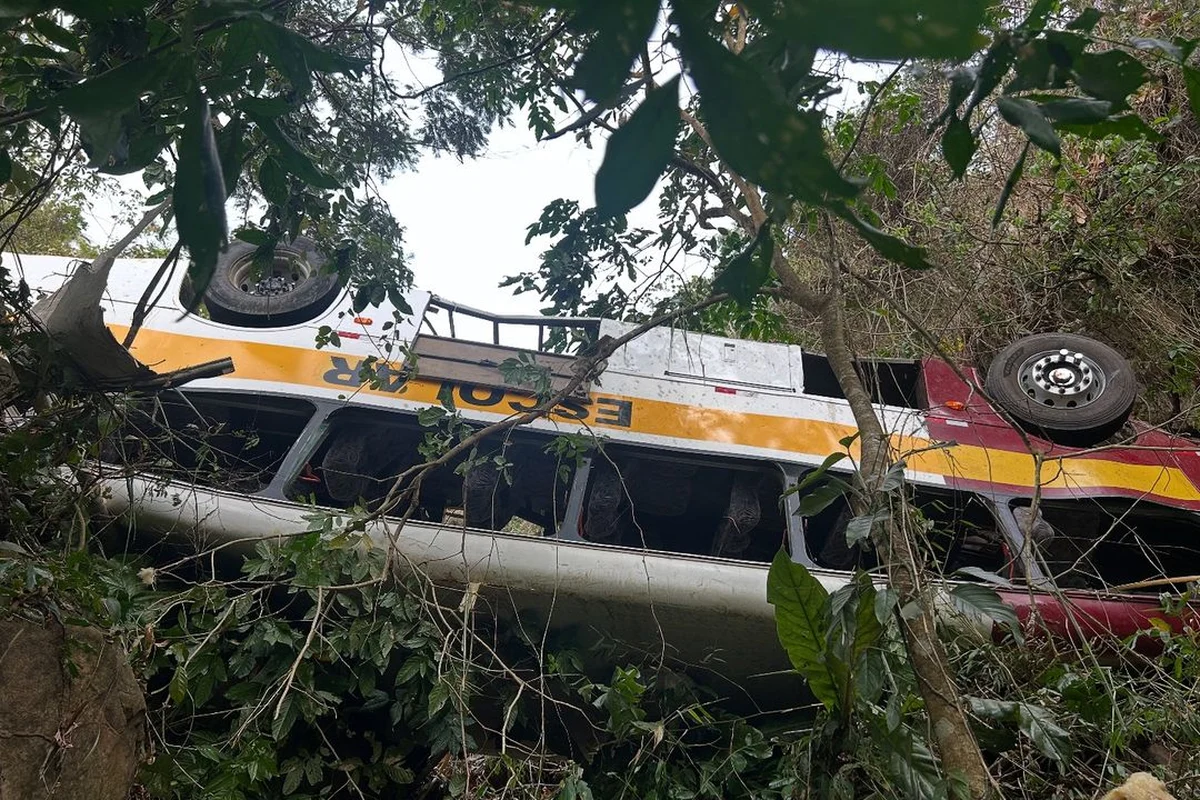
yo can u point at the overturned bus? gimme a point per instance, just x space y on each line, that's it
644 507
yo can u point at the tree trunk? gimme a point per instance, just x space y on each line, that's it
956 742
952 733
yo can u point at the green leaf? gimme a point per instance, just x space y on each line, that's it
254 236
290 156
1191 77
1033 721
958 145
241 47
179 685
802 621
868 29
1127 126
291 781
815 476
747 271
375 700
885 603
859 529
822 497
887 245
983 575
980 603
112 91
996 62
1035 20
893 479
199 196
962 81
638 152
622 28
104 137
868 629
10 9
437 699
1086 21
55 33
1076 109
1043 730
828 462
1025 115
757 132
296 56
143 149
1112 75
233 145
910 763
1045 63
283 718
1009 185
266 106
786 64
37 52
273 182
5 167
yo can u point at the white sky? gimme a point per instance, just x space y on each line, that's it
465 223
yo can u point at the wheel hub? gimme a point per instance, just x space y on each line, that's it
285 272
1062 379
270 285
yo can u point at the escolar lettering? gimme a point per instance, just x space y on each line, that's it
599 411
342 373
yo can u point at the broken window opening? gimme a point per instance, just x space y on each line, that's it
1105 544
228 440
893 382
512 484
959 531
684 504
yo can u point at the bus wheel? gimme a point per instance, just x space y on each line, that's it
290 290
1070 389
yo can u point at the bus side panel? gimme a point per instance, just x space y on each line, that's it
1157 464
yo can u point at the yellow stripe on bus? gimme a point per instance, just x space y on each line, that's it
284 364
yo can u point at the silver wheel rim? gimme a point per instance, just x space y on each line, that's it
287 270
1062 379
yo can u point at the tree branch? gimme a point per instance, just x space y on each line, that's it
143 304
728 203
504 62
866 115
749 192
903 561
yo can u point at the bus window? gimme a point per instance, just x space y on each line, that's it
226 440
1103 544
512 483
701 506
959 530
518 484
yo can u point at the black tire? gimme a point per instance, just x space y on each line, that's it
1070 389
301 291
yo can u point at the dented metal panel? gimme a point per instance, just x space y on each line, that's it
691 356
